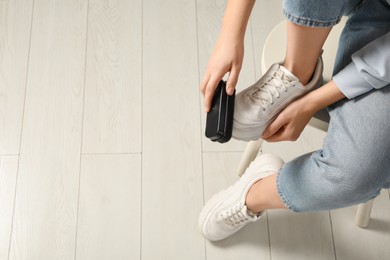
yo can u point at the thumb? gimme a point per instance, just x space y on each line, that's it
232 80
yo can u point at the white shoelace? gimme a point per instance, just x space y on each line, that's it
235 216
272 87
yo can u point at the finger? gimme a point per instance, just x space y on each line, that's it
277 137
209 92
232 80
204 83
274 127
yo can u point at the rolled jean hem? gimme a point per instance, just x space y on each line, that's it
309 22
285 201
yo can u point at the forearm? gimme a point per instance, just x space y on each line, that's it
322 97
228 53
236 19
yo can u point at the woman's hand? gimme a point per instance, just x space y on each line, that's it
226 57
290 123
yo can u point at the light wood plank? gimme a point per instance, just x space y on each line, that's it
252 241
8 173
44 224
209 20
300 236
171 154
357 243
110 207
15 28
112 117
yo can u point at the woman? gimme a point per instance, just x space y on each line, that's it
353 166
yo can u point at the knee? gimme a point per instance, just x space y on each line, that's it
313 182
353 184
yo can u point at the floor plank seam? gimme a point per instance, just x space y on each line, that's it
98 154
269 236
331 230
239 151
142 127
200 117
82 135
253 49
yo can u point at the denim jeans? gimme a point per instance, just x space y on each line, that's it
354 163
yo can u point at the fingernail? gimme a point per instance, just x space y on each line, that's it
229 90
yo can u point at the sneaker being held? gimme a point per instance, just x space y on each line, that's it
257 106
226 212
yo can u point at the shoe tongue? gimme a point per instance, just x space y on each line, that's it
288 73
249 214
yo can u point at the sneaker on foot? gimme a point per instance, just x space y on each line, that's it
258 105
226 212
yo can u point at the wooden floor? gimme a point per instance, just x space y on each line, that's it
102 151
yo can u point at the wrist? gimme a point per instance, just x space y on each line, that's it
230 43
311 102
308 105
234 37
323 97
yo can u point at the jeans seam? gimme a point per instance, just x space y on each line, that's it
285 201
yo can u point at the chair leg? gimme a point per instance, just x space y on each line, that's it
363 214
250 153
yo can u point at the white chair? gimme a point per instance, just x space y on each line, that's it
273 52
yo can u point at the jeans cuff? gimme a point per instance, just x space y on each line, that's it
285 201
309 22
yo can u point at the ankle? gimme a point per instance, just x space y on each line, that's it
302 72
264 195
252 200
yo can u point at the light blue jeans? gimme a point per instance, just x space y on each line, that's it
354 163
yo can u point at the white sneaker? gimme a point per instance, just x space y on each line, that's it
226 213
257 106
